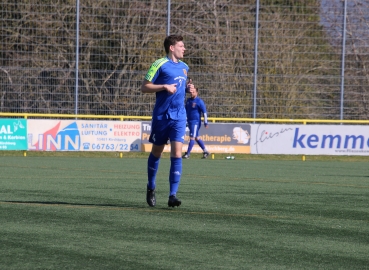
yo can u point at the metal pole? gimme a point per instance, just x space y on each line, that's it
343 57
168 18
77 57
256 55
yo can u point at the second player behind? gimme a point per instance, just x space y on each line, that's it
195 108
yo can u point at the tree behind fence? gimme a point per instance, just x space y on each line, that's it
298 61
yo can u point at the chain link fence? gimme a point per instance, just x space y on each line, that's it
250 59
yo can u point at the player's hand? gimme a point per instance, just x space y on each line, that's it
189 86
206 125
171 88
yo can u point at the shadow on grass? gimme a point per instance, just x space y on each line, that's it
77 204
142 206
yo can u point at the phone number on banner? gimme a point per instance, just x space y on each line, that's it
112 147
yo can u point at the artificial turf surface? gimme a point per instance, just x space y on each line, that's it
90 213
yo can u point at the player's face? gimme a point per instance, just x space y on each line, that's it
178 49
193 93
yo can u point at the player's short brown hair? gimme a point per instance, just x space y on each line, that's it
171 40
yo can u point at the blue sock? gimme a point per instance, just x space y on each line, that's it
175 174
190 145
201 144
152 169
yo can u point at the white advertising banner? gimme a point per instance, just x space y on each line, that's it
84 135
310 139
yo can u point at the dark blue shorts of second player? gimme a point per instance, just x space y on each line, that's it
194 128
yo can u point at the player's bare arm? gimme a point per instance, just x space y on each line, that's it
149 87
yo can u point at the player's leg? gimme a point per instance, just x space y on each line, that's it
203 147
153 165
158 138
175 173
176 138
193 133
201 143
186 155
152 168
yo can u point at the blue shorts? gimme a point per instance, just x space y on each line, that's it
162 130
194 128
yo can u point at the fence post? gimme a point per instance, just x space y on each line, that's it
343 57
25 151
303 156
256 55
168 18
77 57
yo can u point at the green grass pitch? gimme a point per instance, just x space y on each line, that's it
61 212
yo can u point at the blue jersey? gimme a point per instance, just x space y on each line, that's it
195 107
165 71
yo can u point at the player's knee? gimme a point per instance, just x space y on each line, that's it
157 151
156 154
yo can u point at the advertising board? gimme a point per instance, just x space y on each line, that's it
310 139
13 134
84 135
218 138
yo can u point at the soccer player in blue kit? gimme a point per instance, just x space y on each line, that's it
167 78
195 107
